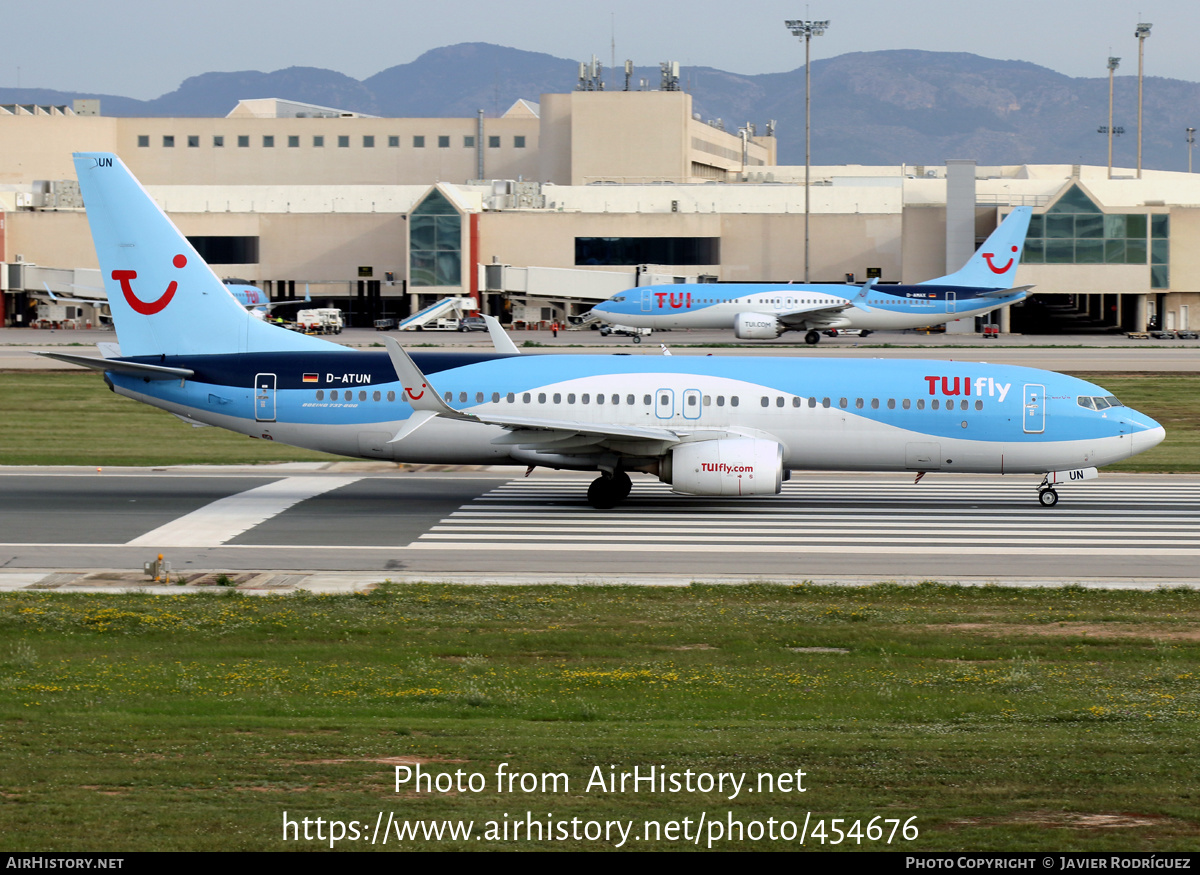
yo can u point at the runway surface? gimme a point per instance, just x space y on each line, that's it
492 524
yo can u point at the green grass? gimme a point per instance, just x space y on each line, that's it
1000 718
72 419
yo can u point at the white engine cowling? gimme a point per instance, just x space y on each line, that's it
732 466
756 326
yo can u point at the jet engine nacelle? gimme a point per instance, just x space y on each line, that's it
732 466
756 326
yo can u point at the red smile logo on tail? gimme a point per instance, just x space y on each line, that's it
988 256
147 309
413 395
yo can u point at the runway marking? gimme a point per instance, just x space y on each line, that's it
980 517
226 518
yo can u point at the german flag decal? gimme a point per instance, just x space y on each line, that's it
312 378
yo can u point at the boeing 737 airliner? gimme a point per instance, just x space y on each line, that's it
707 425
766 310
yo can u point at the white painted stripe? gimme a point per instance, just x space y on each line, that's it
929 549
226 518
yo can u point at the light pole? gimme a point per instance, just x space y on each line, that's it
807 30
1113 63
1191 141
1143 31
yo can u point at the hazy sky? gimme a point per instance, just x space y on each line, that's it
144 48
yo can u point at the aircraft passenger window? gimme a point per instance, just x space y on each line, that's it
557 398
766 401
708 400
362 395
858 402
720 400
825 403
778 400
934 404
495 397
874 403
964 404
630 400
526 398
664 400
691 400
979 405
733 400
843 403
599 398
571 398
511 398
391 396
541 397
906 404
812 402
891 404
462 396
616 399
333 396
320 394
1084 401
478 397
797 401
585 397
646 400
377 396
920 404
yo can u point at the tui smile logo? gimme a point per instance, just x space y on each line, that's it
988 256
151 307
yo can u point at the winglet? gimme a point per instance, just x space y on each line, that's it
500 338
417 390
858 299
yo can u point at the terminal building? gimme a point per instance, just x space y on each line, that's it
554 205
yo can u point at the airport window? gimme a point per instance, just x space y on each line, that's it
519 142
320 394
318 142
647 250
1075 231
193 141
468 142
435 243
293 141
343 141
218 142
226 249
368 141
168 141
243 141
443 142
418 142
393 142
493 142
268 141
376 396
143 140
391 396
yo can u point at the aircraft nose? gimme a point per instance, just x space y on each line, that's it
1146 434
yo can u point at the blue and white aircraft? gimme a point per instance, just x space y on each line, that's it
757 311
707 425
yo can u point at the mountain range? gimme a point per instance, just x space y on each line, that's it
885 107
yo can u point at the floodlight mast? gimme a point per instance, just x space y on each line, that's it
1113 63
807 30
1191 141
1143 31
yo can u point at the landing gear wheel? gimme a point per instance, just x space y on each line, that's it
812 338
637 339
605 493
1048 497
622 484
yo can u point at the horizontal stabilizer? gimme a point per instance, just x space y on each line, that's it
137 369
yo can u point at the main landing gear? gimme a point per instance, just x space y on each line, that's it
609 490
812 338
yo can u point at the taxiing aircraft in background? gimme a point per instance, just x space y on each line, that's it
707 425
767 310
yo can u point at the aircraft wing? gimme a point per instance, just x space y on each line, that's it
819 313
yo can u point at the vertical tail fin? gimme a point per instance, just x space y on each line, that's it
994 264
164 299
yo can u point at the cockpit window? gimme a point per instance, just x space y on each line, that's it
1112 401
1098 402
1085 401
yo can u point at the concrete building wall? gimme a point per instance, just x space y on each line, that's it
757 248
923 247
